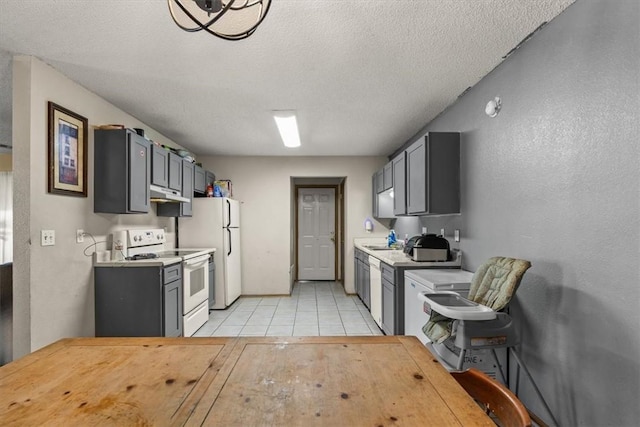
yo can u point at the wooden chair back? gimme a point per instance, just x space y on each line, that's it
494 397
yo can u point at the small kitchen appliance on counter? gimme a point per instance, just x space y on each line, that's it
428 247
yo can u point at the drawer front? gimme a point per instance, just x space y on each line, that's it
388 273
172 273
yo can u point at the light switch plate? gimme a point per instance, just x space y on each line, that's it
47 237
456 235
424 230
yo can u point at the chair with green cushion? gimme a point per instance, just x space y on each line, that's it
493 285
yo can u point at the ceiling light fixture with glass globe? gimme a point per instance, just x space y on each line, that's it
227 19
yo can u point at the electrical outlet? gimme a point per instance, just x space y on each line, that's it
79 235
424 230
47 237
456 235
442 232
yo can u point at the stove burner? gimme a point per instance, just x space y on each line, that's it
142 256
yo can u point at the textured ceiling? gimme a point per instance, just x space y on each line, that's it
364 76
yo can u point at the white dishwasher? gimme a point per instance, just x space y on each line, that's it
375 284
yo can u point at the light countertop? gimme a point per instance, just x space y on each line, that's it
397 258
152 262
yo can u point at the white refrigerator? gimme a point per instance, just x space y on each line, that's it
215 222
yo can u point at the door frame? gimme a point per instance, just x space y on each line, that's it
338 225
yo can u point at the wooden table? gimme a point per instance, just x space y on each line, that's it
290 381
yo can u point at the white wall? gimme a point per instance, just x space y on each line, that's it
263 186
53 286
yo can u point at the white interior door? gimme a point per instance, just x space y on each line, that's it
316 233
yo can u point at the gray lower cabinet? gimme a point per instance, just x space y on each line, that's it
433 174
392 298
388 299
357 272
366 277
138 301
122 172
362 275
181 209
212 282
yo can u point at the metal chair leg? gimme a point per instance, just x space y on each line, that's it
500 370
533 383
461 359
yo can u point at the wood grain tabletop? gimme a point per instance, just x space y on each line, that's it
262 381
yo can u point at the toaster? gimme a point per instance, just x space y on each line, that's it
428 247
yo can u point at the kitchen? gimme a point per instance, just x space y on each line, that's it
540 181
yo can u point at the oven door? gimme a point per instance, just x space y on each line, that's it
195 281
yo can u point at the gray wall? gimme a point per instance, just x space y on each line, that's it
554 179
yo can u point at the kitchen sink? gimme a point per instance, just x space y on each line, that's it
379 248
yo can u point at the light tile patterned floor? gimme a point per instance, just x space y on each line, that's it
313 309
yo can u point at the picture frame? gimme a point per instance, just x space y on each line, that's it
67 153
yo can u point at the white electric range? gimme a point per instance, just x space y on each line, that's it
146 247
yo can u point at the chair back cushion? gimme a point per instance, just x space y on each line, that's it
493 285
495 282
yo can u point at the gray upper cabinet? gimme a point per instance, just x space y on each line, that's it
416 177
382 196
175 172
399 185
383 179
159 166
210 178
379 181
200 180
433 174
122 172
374 195
387 176
187 180
187 188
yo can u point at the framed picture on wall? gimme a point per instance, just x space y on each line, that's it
67 152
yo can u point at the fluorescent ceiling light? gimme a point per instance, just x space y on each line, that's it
288 127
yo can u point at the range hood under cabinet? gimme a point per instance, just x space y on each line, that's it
129 171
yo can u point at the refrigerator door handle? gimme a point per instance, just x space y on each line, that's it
229 231
228 213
